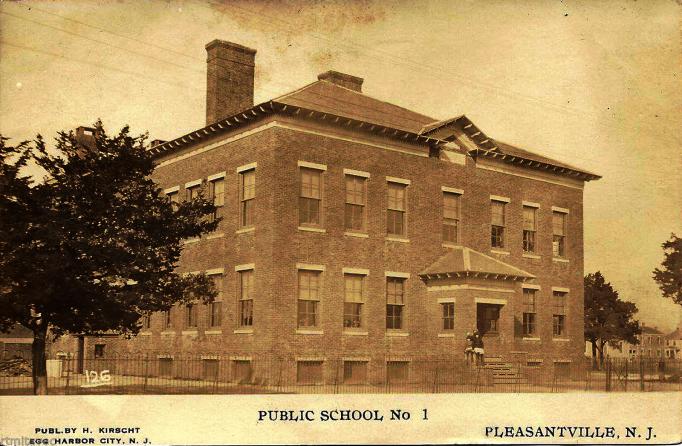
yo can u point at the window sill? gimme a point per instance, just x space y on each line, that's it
446 335
399 334
561 339
216 235
530 256
243 331
190 332
145 333
560 259
355 333
530 339
167 333
213 332
356 234
190 240
390 238
500 252
303 331
450 245
245 230
311 229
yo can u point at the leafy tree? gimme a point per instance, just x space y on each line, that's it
94 247
669 278
608 319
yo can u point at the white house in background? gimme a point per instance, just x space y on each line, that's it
673 344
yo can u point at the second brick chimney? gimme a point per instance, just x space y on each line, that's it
345 80
229 79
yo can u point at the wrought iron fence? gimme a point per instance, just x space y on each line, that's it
217 374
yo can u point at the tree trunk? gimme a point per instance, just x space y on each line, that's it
601 354
39 361
594 354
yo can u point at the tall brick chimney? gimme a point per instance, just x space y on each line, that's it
345 80
229 79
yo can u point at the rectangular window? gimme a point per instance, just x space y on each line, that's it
448 315
355 202
241 371
397 371
192 193
395 302
215 308
217 195
451 217
146 321
310 201
396 209
354 372
529 228
487 318
308 298
353 300
497 222
210 369
166 367
247 196
559 313
246 298
529 311
559 234
173 198
99 350
167 322
191 315
309 372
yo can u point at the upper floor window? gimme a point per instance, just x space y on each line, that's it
146 321
215 313
529 311
217 195
310 201
356 201
497 223
192 192
395 302
166 321
308 298
246 298
247 195
354 300
559 234
396 209
451 216
529 228
191 315
173 198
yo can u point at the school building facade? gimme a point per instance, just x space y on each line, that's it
355 230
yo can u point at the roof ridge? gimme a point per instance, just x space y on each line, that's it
293 92
378 100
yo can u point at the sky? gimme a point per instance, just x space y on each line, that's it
594 84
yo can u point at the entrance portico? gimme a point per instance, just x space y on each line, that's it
482 290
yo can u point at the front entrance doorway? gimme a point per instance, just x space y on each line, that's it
487 318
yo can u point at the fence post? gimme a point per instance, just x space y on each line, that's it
435 379
625 386
641 375
608 375
146 372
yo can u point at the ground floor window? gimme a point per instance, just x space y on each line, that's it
309 372
559 325
354 372
487 318
166 367
397 371
241 371
99 350
448 309
210 369
562 369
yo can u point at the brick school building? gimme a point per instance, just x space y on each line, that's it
360 232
